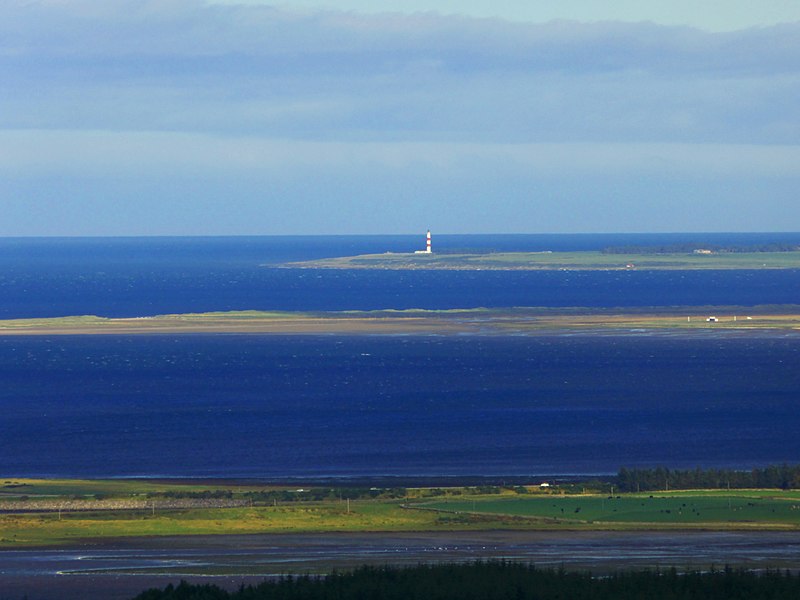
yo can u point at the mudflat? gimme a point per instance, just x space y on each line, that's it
119 569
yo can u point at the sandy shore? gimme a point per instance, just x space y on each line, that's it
288 326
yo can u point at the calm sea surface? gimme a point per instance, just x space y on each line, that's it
338 406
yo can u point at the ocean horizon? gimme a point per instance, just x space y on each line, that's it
130 277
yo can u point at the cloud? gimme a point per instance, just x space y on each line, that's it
193 28
174 29
182 114
189 66
104 152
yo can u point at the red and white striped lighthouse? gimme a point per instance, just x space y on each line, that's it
427 245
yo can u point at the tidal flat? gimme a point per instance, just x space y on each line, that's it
119 569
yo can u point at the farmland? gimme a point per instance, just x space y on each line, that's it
42 513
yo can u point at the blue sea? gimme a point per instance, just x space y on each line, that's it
281 407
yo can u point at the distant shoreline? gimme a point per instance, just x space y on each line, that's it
489 322
37 513
560 261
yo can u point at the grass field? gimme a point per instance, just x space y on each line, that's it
724 509
53 522
47 529
425 509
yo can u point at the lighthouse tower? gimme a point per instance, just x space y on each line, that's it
427 245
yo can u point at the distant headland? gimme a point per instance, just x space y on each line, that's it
687 256
565 261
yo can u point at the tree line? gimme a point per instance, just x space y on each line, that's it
498 580
661 478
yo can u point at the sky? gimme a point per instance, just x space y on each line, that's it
200 117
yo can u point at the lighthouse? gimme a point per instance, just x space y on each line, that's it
427 245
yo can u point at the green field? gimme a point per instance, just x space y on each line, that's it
43 512
741 508
48 529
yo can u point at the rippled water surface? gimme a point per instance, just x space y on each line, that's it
339 406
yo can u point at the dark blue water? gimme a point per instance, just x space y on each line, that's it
266 406
147 276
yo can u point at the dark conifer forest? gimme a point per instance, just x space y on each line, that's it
500 581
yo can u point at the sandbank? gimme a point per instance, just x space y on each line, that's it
512 321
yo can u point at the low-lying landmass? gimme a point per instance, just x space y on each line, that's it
572 261
118 537
57 512
500 321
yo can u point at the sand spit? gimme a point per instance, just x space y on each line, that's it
517 321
